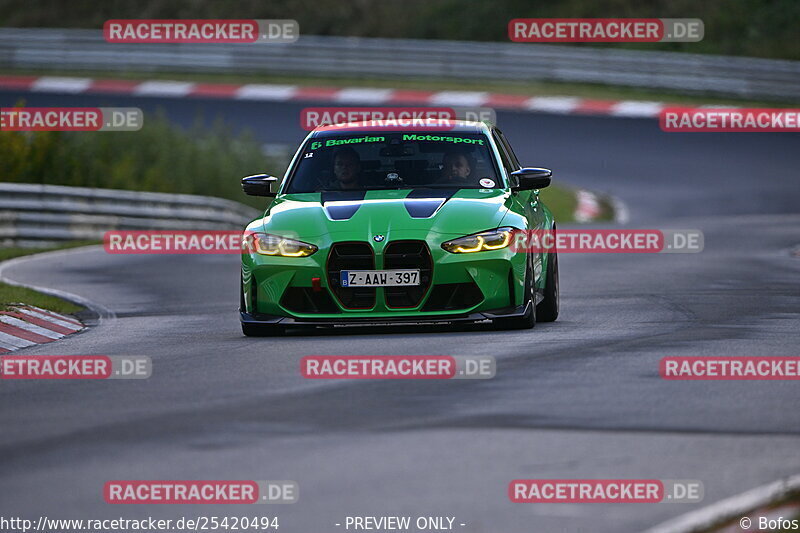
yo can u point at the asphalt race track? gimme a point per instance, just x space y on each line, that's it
578 398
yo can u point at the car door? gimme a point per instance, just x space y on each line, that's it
528 199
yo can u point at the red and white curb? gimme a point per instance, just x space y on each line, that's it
22 326
335 95
588 207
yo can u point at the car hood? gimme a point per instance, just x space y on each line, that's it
445 211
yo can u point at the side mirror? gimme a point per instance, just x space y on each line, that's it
529 178
260 185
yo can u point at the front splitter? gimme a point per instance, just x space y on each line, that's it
485 317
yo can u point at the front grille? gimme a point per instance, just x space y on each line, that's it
307 300
351 256
402 255
453 296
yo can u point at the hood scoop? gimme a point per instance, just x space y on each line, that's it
423 203
342 205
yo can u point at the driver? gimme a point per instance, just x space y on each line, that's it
457 167
346 169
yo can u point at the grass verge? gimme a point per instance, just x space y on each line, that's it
561 202
10 294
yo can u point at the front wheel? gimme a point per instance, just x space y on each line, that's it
547 310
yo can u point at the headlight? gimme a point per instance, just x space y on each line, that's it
266 244
480 242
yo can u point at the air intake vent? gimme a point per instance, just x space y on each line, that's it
408 254
351 256
453 296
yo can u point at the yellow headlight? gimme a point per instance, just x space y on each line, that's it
266 244
480 242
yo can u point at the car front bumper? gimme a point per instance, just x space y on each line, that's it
458 287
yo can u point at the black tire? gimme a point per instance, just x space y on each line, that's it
547 310
262 330
528 320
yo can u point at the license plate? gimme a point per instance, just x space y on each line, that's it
379 278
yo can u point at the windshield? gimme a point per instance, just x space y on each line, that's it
369 161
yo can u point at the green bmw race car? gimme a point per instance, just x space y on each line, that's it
377 225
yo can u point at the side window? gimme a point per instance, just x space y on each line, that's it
510 151
507 161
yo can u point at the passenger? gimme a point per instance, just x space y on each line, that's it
457 167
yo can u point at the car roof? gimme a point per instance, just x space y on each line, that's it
390 126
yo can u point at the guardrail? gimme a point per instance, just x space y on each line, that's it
38 48
37 215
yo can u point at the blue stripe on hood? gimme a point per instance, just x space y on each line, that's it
425 202
351 201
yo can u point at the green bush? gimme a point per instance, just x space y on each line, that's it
207 160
